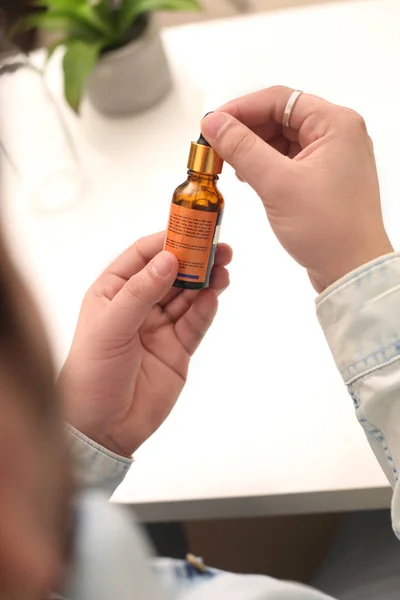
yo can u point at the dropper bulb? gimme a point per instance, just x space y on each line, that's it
202 140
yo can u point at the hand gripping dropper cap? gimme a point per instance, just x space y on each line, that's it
203 159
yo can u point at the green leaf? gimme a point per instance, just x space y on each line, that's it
58 3
131 9
80 13
58 21
94 17
83 15
53 47
79 62
67 41
42 20
104 8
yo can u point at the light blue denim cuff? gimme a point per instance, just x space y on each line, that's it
360 316
94 465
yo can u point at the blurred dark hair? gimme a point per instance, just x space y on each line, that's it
23 352
27 374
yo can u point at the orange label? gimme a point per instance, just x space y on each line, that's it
190 237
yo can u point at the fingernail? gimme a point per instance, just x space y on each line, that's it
162 264
214 125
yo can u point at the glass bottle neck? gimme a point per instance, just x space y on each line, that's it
195 176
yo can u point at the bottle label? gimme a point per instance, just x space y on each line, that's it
190 238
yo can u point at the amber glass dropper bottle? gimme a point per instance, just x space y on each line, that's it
195 218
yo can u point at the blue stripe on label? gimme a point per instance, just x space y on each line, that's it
188 276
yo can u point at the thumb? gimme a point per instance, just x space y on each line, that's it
252 158
133 304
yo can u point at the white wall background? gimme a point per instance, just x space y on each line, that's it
214 9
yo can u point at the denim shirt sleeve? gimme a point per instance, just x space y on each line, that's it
95 466
360 316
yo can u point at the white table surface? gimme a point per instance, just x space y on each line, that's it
265 425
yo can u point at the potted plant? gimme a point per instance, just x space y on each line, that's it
113 50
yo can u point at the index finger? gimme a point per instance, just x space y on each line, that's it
310 117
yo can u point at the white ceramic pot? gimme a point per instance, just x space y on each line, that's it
131 78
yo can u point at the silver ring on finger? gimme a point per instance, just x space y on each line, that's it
289 107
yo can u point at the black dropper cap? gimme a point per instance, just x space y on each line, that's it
202 140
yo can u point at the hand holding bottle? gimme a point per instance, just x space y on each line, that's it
132 347
324 204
